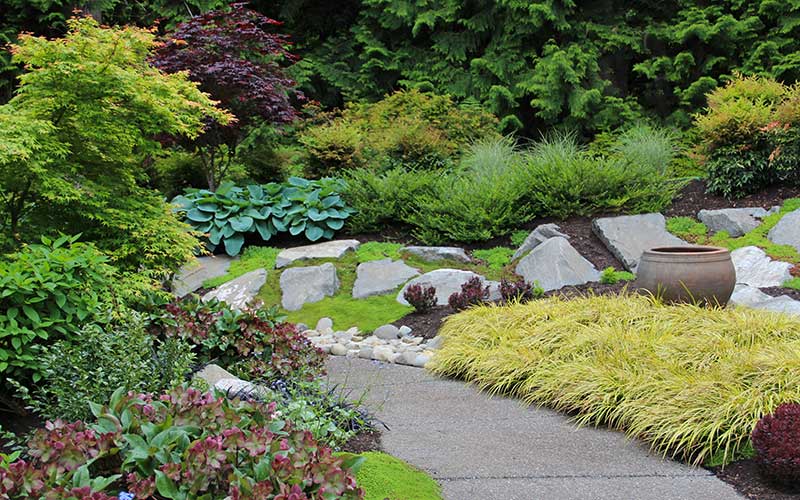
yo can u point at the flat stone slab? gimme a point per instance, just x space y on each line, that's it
431 254
381 277
301 285
446 281
735 221
327 250
752 297
539 235
555 264
755 268
238 292
628 236
787 230
192 276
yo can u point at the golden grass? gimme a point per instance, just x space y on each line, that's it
691 381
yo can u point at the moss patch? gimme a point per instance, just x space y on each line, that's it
345 311
385 477
253 258
495 258
793 283
695 232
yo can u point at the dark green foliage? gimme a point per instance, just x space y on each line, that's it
47 292
300 206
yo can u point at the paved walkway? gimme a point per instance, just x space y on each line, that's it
482 448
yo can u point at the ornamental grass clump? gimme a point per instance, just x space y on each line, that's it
691 381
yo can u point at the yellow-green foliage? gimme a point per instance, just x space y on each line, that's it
385 477
691 381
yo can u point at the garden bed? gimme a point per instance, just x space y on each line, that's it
745 477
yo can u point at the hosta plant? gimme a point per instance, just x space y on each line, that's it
299 206
181 445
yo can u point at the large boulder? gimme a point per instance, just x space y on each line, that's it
192 276
301 285
752 297
380 277
431 254
446 281
734 221
539 235
755 268
327 250
555 264
628 236
238 292
787 230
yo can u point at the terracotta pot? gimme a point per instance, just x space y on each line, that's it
688 274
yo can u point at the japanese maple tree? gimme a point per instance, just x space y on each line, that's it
233 55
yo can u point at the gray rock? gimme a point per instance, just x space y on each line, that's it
752 297
446 281
238 388
192 276
365 352
327 250
239 292
542 233
301 327
404 330
434 343
735 221
324 324
421 360
387 332
787 230
407 358
494 289
338 350
212 374
381 277
301 285
555 264
431 254
628 236
382 353
755 268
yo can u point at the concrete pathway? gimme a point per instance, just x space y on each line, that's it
482 448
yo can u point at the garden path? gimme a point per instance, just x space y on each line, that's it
486 448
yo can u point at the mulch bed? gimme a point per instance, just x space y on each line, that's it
364 441
425 325
745 477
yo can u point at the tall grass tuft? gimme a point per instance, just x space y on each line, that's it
691 381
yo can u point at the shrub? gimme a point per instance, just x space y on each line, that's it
496 258
180 445
776 439
749 136
251 345
99 359
472 293
672 375
519 291
611 276
408 128
313 208
46 292
421 298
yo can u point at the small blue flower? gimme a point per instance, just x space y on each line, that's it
124 495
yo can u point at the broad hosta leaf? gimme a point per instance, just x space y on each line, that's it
256 191
335 224
233 245
279 224
313 233
241 223
297 228
252 212
298 182
215 236
263 230
315 215
330 201
197 215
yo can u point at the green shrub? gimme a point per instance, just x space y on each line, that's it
47 292
519 237
97 360
496 258
749 135
407 128
227 215
611 276
692 381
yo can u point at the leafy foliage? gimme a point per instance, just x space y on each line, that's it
313 208
776 439
611 276
48 291
472 293
233 58
421 298
672 375
182 445
519 291
496 258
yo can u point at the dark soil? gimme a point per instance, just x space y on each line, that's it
589 289
363 441
425 325
777 291
745 477
693 198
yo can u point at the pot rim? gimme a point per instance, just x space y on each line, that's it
687 250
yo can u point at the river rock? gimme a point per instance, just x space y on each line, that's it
555 264
239 292
301 285
324 325
755 268
787 230
387 332
327 250
381 277
446 281
628 236
539 235
338 350
431 254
